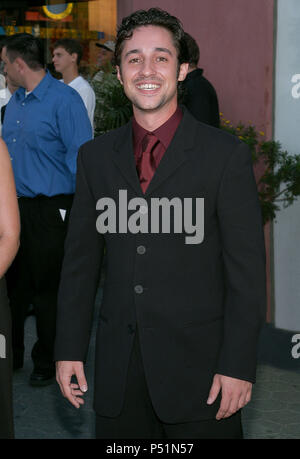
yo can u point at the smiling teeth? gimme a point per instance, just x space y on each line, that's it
148 86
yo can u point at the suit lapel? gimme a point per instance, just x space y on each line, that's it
174 157
176 153
123 158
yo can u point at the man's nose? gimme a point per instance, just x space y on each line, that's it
147 67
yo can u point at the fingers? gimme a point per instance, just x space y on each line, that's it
231 403
214 391
236 394
227 408
244 399
81 378
71 391
75 390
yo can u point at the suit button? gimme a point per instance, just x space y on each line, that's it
141 249
138 289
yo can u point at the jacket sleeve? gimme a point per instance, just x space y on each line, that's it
242 236
80 273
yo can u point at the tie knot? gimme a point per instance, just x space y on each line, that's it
148 142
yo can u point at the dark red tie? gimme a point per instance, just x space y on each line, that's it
147 166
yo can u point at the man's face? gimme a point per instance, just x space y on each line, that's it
104 56
149 69
12 69
62 60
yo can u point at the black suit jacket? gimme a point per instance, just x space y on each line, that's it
198 308
201 99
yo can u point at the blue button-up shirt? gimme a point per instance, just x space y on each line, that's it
43 133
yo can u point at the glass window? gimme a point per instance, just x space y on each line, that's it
89 22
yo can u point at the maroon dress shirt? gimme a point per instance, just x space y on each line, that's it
164 134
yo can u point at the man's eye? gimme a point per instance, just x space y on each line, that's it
162 59
134 60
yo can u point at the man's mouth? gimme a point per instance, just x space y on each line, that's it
148 86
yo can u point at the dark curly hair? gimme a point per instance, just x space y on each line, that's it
154 17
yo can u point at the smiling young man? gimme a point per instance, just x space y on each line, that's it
150 73
179 322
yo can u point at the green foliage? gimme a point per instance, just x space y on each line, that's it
113 109
279 185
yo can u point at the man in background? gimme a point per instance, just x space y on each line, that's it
45 124
67 55
5 95
105 58
2 77
6 88
200 97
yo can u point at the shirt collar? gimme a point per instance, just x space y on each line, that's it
40 90
164 133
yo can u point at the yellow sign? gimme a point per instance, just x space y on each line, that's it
58 16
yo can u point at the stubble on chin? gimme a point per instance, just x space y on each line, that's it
147 106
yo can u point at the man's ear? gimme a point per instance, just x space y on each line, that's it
20 64
119 74
74 57
183 70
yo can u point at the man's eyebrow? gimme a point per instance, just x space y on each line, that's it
132 51
163 50
136 51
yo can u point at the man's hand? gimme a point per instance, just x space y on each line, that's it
73 392
236 393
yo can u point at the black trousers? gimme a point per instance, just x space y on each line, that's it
33 278
6 408
138 419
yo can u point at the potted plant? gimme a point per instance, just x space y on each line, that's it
279 184
113 109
